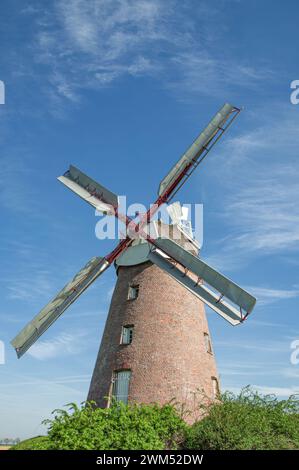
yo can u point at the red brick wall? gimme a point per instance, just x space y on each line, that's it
167 357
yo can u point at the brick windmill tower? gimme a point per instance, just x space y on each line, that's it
156 344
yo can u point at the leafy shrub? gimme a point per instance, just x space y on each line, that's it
247 421
35 443
118 427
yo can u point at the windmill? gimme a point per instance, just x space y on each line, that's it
156 332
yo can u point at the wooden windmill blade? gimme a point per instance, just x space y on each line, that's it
217 125
89 190
218 288
106 201
216 280
52 311
225 310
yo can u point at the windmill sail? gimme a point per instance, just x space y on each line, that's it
49 314
224 309
106 201
224 287
198 146
89 190
222 284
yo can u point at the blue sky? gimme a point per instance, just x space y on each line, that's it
120 88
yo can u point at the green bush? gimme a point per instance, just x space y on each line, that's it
247 421
35 443
118 427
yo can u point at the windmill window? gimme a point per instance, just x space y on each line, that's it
215 388
208 344
120 387
127 334
133 292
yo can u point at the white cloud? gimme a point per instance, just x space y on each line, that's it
267 390
267 210
64 344
269 324
35 278
291 372
92 44
14 193
205 72
267 205
39 398
268 296
30 286
110 27
231 372
265 346
69 379
279 391
258 172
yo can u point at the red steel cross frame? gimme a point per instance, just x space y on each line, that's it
164 197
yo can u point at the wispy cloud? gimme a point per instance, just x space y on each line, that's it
15 194
268 211
261 170
276 370
207 73
39 398
63 344
31 276
268 296
35 284
271 346
92 44
34 276
278 391
71 379
270 324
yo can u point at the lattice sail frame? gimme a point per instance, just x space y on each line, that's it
161 250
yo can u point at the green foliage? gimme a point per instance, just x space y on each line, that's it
247 421
118 427
35 443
